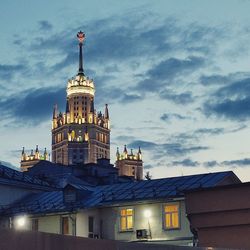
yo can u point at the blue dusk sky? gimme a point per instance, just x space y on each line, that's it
176 76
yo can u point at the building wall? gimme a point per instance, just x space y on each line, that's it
111 223
107 223
39 241
82 218
49 224
221 216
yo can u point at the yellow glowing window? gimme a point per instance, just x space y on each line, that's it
171 216
126 219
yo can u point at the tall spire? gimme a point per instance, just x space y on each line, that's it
81 38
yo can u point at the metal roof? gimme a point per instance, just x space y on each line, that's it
13 177
158 189
152 189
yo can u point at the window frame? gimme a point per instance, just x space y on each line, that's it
164 216
120 216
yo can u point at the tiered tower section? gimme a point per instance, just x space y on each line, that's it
29 160
129 164
80 135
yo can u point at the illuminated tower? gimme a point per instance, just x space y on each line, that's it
29 160
80 135
129 164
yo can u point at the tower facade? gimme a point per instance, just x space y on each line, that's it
80 134
129 164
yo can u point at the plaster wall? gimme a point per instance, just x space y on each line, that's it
111 223
82 226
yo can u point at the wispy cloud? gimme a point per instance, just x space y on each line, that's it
171 149
170 116
181 98
45 25
8 71
232 102
185 163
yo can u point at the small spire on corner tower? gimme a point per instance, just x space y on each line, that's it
55 111
117 154
106 113
81 38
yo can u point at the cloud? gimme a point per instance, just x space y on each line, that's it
166 71
9 165
230 109
185 163
8 71
148 166
111 41
170 116
229 163
45 25
170 149
124 138
237 163
238 89
128 98
214 79
34 106
146 145
182 98
231 101
172 67
210 164
210 131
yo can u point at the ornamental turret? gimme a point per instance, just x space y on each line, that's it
129 164
29 160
